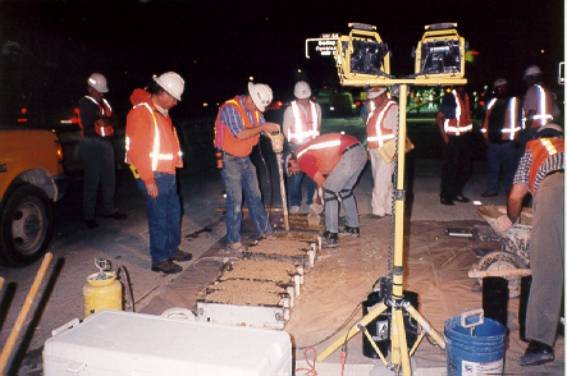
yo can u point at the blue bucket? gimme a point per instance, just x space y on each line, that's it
475 345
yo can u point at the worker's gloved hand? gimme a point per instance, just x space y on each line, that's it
503 223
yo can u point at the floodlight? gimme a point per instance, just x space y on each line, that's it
361 55
440 52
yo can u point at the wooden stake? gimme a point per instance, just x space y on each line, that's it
20 320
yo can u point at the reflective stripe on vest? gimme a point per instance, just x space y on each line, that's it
104 107
457 130
541 113
511 128
376 134
319 146
155 154
300 133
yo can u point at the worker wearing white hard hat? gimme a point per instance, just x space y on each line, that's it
154 154
381 128
238 126
301 123
539 104
501 130
96 150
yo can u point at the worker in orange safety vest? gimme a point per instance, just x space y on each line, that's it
154 154
238 126
381 126
541 173
96 151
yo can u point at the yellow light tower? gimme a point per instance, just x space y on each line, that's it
362 59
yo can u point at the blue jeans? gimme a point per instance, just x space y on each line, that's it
164 217
501 159
294 186
340 182
239 177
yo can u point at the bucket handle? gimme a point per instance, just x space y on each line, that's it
475 312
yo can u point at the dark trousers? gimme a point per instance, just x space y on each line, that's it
164 217
456 167
502 161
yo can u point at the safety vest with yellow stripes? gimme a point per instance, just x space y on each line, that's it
541 149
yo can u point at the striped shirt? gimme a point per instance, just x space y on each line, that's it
230 116
552 163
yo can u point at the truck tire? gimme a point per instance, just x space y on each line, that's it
26 225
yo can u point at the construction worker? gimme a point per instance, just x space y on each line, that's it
455 125
334 162
154 154
381 126
96 151
238 125
501 129
540 173
539 105
301 123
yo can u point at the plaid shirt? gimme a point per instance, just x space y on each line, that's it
230 116
552 163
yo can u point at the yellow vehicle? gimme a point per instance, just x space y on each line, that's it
31 177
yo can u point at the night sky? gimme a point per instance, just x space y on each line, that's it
217 45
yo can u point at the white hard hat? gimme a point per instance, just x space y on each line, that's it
532 70
375 92
98 82
261 95
302 90
172 83
500 82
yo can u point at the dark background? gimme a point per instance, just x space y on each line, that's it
217 45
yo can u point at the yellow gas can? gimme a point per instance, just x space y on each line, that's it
102 292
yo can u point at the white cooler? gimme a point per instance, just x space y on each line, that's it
133 344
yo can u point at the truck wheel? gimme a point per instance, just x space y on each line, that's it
26 225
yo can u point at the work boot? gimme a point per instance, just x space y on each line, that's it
461 198
294 209
537 353
237 247
447 201
181 256
350 231
330 240
167 267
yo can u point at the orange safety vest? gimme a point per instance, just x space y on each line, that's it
512 126
228 142
163 156
376 132
462 122
541 149
305 126
103 126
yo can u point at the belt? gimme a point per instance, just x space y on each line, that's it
350 147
